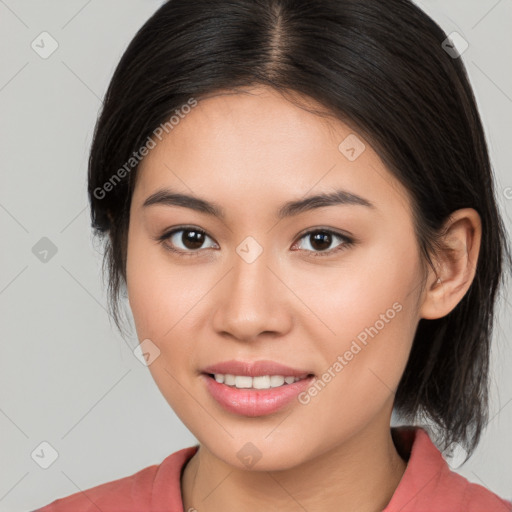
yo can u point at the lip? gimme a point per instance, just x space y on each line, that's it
255 369
255 402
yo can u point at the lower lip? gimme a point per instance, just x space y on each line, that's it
255 402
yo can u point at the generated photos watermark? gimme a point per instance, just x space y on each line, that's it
344 359
137 156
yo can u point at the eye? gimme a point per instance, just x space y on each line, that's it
185 240
188 240
321 239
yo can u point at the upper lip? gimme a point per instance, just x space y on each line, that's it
255 369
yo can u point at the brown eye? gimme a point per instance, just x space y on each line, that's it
192 239
187 241
320 242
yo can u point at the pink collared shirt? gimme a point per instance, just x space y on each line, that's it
427 485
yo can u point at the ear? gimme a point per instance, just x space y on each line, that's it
455 264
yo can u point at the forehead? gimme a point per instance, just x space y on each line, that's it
258 117
257 142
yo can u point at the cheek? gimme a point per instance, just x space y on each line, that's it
370 308
159 299
160 293
368 282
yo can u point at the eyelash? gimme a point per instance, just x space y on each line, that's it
347 242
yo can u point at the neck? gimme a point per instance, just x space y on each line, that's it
360 474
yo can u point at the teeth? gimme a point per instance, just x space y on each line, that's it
260 382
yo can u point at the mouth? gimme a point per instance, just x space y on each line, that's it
258 395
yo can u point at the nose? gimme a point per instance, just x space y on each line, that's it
253 301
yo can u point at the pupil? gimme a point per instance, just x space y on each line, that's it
192 239
319 238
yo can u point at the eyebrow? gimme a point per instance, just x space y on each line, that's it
168 197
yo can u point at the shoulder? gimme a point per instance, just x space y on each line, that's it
123 493
133 493
429 483
478 498
469 496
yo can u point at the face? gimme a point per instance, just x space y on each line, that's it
329 290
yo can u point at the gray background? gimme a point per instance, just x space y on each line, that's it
67 376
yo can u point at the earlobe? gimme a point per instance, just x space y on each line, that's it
456 264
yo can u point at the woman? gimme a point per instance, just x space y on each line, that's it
301 211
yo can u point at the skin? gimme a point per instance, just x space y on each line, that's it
249 152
